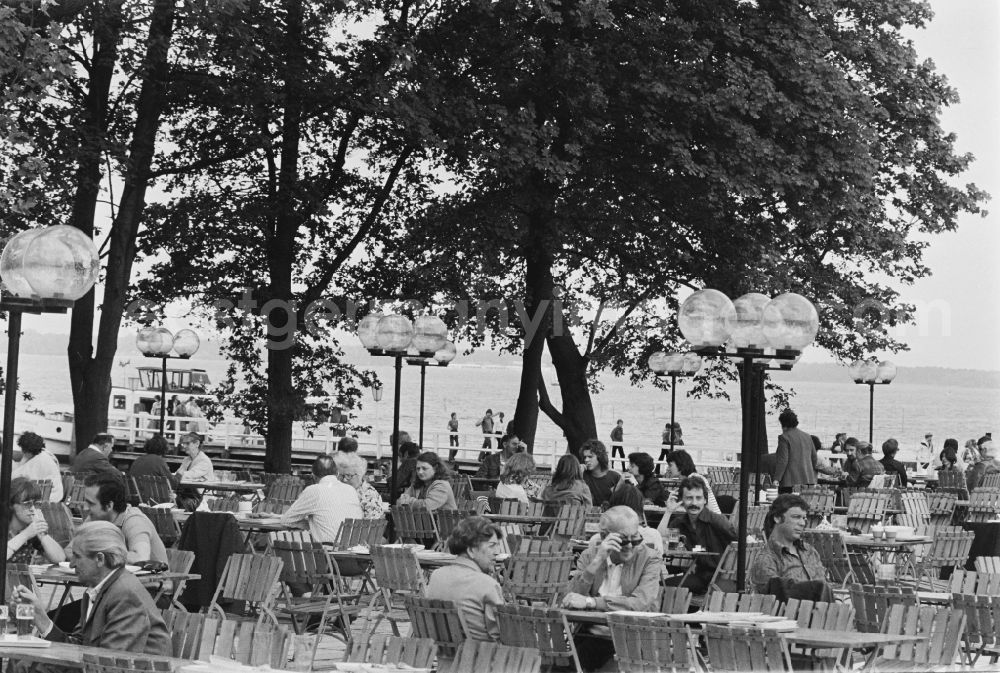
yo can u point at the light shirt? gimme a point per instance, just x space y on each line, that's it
93 593
475 594
42 466
199 469
612 584
324 506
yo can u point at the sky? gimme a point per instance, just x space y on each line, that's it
958 313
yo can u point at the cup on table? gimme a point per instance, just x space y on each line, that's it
891 534
878 532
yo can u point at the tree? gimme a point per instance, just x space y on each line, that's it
623 151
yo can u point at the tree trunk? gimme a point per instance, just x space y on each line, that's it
90 392
281 256
578 409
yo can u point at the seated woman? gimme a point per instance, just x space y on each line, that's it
567 484
28 531
38 464
680 465
515 474
948 460
430 488
641 467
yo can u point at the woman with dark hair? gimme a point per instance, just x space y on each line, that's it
27 531
567 485
38 464
430 488
948 459
642 467
680 464
152 464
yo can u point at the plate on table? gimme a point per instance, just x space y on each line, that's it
63 567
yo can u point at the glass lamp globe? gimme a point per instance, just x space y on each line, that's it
144 340
59 262
367 330
657 362
855 370
12 263
394 333
692 363
705 318
446 353
869 371
885 372
675 363
790 322
747 327
186 343
429 333
154 341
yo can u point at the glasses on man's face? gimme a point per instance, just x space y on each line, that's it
633 541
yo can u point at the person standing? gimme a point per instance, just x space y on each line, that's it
617 439
599 479
452 435
486 423
796 460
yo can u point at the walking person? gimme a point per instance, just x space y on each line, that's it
486 423
452 436
617 447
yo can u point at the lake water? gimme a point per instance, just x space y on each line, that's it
902 410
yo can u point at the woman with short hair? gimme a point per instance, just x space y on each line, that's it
38 464
430 488
27 530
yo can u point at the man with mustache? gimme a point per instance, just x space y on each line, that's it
700 527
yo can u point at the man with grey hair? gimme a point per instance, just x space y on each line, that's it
351 469
619 573
325 504
118 613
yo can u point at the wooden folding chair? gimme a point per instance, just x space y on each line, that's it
916 511
124 663
386 650
272 506
414 525
19 574
446 520
867 508
820 615
398 572
674 600
724 578
842 565
45 487
982 624
251 578
285 487
651 644
438 620
543 629
941 506
942 627
718 601
305 564
355 532
57 515
970 582
821 500
949 549
721 475
461 485
990 480
987 564
733 649
984 504
872 603
537 577
951 479
204 636
155 489
76 497
164 522
229 503
178 561
485 657
726 489
570 523
534 544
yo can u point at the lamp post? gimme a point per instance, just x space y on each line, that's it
872 373
43 271
441 359
158 342
751 329
674 365
392 336
377 396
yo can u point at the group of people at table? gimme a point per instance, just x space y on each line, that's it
622 566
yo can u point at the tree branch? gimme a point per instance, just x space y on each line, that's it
545 405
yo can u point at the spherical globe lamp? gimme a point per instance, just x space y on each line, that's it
446 353
868 371
790 322
885 372
705 318
162 341
747 326
394 333
429 333
657 362
61 262
186 343
367 330
675 363
855 370
692 363
12 263
144 340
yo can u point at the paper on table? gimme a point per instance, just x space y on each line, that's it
12 640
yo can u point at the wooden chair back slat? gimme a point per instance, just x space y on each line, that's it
543 629
821 501
285 488
389 650
984 504
164 522
487 657
397 569
650 644
674 600
537 577
414 525
57 515
571 521
732 649
718 601
724 578
154 489
942 627
988 564
446 520
251 578
354 532
438 620
872 603
124 663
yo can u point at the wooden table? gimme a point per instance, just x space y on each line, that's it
426 560
884 547
226 486
70 655
50 575
522 519
847 642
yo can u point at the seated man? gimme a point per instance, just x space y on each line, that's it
119 614
325 504
789 567
700 527
620 573
105 499
865 468
469 581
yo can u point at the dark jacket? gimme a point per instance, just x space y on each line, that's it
213 537
892 465
123 618
712 531
150 465
92 460
867 467
653 490
795 460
